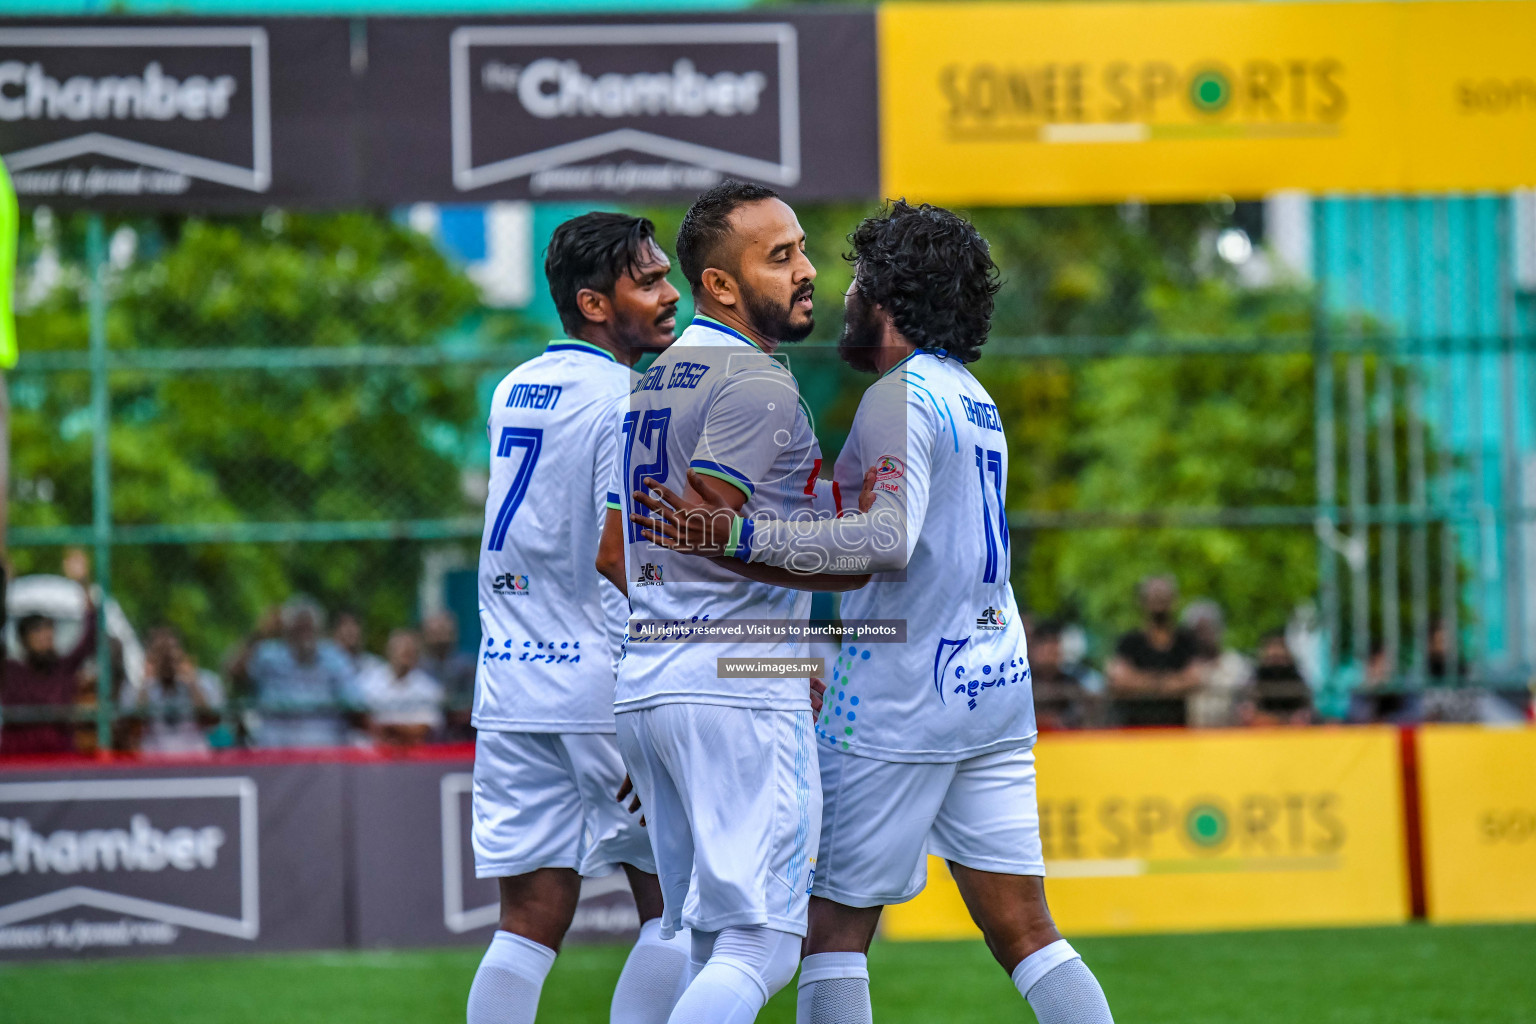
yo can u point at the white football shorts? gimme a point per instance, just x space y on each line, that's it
882 819
732 804
546 800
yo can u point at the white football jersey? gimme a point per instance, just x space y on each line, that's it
960 684
716 403
551 626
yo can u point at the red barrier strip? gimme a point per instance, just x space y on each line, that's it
1413 826
235 758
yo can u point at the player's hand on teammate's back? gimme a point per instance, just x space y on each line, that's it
628 789
867 492
693 526
818 694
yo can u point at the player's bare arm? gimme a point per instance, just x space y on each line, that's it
696 528
610 551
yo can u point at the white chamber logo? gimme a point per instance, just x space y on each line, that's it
625 108
558 88
122 863
87 111
139 847
29 93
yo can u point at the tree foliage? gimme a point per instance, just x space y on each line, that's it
277 444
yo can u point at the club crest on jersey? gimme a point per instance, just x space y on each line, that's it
889 467
510 584
992 618
650 575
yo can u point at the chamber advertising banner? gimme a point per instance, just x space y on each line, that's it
217 114
637 107
1478 798
155 114
171 862
1172 831
1091 102
413 869
252 855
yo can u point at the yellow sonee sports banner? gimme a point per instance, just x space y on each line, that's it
1173 831
1084 102
1477 789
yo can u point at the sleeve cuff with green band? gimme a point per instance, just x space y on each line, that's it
740 543
722 472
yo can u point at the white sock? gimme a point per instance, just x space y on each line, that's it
507 984
834 989
1060 987
723 993
746 966
653 977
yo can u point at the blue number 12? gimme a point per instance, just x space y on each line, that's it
654 425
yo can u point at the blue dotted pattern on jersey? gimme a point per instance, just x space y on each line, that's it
840 707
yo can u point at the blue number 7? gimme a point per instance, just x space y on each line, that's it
530 440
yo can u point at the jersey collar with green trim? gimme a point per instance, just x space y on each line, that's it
574 345
700 320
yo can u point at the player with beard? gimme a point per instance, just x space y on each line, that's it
725 766
927 746
546 762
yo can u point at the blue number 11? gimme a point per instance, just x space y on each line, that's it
988 460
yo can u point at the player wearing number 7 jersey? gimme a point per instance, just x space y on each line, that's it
547 767
926 746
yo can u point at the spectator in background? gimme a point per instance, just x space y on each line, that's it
455 670
346 642
178 705
1153 668
1438 663
1374 698
1065 695
42 680
303 689
404 704
1224 675
1280 696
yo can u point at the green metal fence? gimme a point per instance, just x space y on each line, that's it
226 468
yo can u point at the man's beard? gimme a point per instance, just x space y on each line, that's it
774 321
860 339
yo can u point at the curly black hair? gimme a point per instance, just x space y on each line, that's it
707 224
932 271
591 251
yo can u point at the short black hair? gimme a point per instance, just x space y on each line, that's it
707 224
931 270
591 251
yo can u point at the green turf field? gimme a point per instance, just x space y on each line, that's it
1408 975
